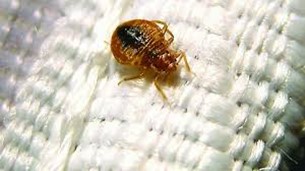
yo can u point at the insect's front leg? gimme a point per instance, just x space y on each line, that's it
181 55
158 87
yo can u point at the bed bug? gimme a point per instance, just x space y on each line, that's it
146 44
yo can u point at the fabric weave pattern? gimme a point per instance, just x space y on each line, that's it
61 108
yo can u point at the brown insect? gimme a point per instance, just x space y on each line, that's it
146 45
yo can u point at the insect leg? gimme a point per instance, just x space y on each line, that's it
183 56
158 87
133 77
165 30
165 26
171 39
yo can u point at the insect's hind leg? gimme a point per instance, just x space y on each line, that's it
165 26
133 77
165 30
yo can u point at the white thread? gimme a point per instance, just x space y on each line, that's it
70 113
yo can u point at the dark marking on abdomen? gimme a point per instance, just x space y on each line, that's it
131 36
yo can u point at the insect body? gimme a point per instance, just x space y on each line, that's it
145 44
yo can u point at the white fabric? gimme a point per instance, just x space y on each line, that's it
61 107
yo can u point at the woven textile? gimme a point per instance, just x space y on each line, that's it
61 107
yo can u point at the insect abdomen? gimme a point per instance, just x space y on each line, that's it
131 37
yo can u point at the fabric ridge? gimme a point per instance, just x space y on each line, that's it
61 107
